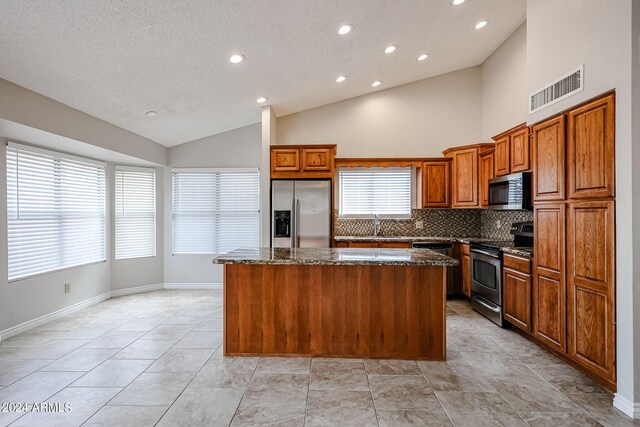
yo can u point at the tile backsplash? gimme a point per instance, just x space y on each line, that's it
439 222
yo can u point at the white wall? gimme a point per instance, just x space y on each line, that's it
418 119
560 36
238 148
503 77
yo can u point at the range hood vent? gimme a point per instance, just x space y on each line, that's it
565 86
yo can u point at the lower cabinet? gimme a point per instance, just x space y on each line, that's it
516 288
465 267
372 244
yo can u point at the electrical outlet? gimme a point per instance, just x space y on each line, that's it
67 288
419 224
498 224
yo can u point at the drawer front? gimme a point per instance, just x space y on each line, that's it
517 263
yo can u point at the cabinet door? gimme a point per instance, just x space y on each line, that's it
466 275
591 150
435 184
342 244
548 160
401 245
520 151
465 178
502 156
549 288
486 173
516 288
285 160
591 286
316 159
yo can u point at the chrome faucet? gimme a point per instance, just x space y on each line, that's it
376 225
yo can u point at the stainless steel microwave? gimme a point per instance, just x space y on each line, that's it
510 192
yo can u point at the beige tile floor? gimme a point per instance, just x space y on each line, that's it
155 359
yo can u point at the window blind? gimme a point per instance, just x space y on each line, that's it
135 212
55 211
215 210
370 191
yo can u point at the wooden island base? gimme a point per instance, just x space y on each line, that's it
359 311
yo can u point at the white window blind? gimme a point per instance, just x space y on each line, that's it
364 192
135 208
215 210
55 211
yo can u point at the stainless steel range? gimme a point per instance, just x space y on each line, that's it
486 270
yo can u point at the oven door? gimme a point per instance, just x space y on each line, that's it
486 276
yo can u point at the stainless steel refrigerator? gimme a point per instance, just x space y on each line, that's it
300 214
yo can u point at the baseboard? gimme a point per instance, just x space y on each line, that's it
629 408
193 285
15 330
137 289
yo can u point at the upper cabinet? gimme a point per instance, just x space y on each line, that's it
486 173
512 151
302 161
435 183
464 174
591 149
548 160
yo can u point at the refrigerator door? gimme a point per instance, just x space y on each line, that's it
282 214
312 225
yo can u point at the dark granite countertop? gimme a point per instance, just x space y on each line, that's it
335 256
519 251
408 239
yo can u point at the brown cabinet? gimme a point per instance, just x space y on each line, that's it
516 288
374 244
435 184
591 149
548 160
486 173
512 151
502 156
464 174
465 267
591 286
549 289
302 161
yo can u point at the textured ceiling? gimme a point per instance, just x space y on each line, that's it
118 59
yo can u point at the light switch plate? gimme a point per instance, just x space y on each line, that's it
419 224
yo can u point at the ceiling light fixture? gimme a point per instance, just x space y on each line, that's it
423 57
151 113
261 100
390 49
237 58
340 79
457 2
345 29
481 24
376 83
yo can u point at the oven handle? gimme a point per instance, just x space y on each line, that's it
495 310
491 254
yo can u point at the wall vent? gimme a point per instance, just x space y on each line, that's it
565 86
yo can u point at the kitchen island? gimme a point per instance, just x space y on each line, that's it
335 302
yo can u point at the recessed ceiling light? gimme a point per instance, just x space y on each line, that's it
340 79
234 59
151 113
390 49
376 83
457 2
423 57
261 100
481 24
345 29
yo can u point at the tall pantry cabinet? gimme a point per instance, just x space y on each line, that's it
574 214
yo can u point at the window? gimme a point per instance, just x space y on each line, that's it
135 207
365 192
55 211
215 210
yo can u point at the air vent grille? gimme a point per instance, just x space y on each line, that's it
557 90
